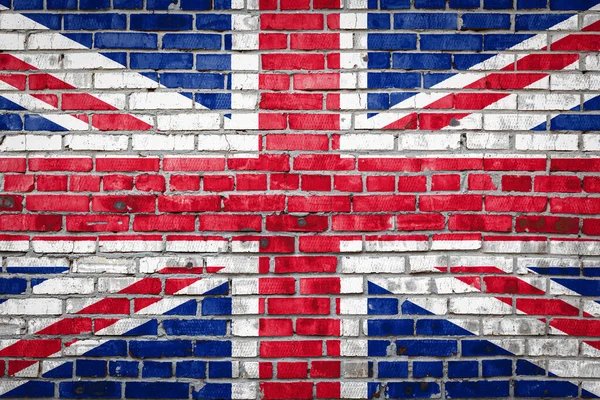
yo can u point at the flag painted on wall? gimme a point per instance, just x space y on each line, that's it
299 199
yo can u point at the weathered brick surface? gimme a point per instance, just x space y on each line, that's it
297 199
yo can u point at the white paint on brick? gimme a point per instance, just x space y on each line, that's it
353 21
451 285
429 141
156 142
552 347
196 246
246 349
97 142
12 40
65 286
64 246
228 142
404 285
513 327
366 142
245 327
188 122
202 286
241 286
478 306
103 265
123 80
548 101
369 265
31 306
351 284
354 348
353 306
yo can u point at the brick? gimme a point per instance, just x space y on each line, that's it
19 183
381 183
52 183
516 183
319 183
284 101
361 222
84 183
420 222
535 224
124 204
164 223
348 183
384 203
274 81
231 223
30 222
319 204
516 203
464 202
184 182
291 21
305 264
312 305
251 182
480 223
289 223
150 183
285 62
481 182
254 203
117 182
57 203
218 183
563 184
284 181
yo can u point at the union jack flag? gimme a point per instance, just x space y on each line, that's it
298 199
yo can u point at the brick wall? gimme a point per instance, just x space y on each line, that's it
296 199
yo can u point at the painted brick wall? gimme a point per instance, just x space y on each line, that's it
296 199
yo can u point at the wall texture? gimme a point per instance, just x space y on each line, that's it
240 199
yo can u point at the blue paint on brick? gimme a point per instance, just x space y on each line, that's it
160 348
190 369
212 348
394 4
464 4
157 369
591 271
396 80
193 80
378 101
382 306
161 22
123 368
188 308
128 4
221 289
392 41
572 5
31 389
377 348
51 21
115 348
222 4
118 57
203 327
161 61
147 328
440 327
425 21
215 101
428 369
94 4
156 390
90 390
531 388
477 389
196 4
569 271
28 4
527 368
378 60
88 22
491 368
219 369
451 42
81 38
213 62
575 122
485 21
216 306
421 61
410 308
90 368
10 122
376 289
426 348
390 327
476 348
378 21
430 4
212 391
191 41
35 122
62 371
584 287
12 285
61 4
465 61
158 4
412 390
392 369
592 104
502 42
432 79
36 270
498 4
531 4
538 22
213 22
126 40
463 369
398 97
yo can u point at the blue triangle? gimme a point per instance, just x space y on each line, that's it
35 122
376 289
588 395
6 104
410 308
570 271
34 389
110 348
592 104
221 289
62 371
540 127
117 57
147 328
188 308
37 281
